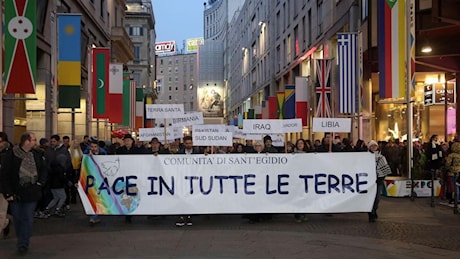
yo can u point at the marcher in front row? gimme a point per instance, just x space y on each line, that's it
382 170
187 149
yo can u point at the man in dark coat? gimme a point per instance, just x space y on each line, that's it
22 174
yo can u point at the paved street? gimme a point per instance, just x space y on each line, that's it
405 229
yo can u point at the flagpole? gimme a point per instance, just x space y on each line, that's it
409 112
54 96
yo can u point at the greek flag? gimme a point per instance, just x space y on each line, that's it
348 72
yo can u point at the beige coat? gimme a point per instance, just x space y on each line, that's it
453 160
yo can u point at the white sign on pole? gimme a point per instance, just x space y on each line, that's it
262 126
193 118
212 138
292 125
334 125
164 110
216 135
146 134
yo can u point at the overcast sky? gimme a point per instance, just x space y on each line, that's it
178 20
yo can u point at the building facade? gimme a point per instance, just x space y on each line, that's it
176 80
140 25
271 43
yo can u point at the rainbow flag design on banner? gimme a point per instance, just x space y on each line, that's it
102 202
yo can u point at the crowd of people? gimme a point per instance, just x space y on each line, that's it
40 179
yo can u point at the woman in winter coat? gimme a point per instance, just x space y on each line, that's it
453 168
382 170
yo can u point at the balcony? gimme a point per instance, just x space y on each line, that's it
122 46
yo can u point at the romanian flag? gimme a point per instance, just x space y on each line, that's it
69 60
289 102
20 46
100 90
391 29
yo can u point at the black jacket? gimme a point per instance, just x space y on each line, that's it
9 172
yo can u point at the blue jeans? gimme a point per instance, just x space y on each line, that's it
23 216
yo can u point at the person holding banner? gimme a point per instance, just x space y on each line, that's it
268 145
187 149
129 147
95 149
300 148
156 147
382 170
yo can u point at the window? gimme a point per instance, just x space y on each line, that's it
320 17
102 7
137 52
170 97
364 9
135 31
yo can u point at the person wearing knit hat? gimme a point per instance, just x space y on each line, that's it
372 142
382 170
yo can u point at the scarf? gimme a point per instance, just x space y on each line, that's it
28 170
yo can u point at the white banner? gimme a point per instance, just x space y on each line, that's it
228 183
334 125
164 110
146 134
193 118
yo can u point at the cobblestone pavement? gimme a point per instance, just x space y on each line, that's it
405 229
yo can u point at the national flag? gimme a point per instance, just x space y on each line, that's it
115 95
391 30
69 60
251 113
289 101
347 44
101 57
139 105
301 99
280 104
132 103
127 102
272 108
323 88
302 111
20 46
240 121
